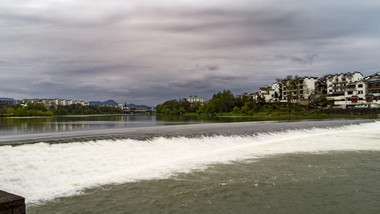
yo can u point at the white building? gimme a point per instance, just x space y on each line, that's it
356 90
270 93
52 102
360 94
62 102
354 95
194 99
338 83
120 106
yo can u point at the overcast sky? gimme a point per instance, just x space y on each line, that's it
149 51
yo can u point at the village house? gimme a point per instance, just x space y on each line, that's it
338 83
354 95
250 95
373 89
270 93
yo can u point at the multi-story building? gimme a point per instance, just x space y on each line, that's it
52 102
354 95
345 90
373 88
355 90
194 99
270 93
298 89
338 83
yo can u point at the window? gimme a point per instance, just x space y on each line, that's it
360 92
349 92
373 91
360 86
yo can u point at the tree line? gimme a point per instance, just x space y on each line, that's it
39 109
225 103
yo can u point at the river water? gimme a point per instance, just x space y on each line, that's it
195 166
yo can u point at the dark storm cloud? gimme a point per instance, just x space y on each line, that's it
306 60
150 51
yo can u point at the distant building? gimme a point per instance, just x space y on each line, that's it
345 90
5 102
354 95
355 90
338 83
52 102
270 93
120 106
299 89
373 89
250 95
194 99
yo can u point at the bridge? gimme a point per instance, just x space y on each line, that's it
139 111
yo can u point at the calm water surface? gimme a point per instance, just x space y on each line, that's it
16 126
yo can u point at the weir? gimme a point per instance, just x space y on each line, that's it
11 204
189 130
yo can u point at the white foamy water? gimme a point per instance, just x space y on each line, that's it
41 172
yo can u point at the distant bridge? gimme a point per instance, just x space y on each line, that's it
134 111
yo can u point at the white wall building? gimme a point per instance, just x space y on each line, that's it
52 102
356 90
194 99
270 93
338 83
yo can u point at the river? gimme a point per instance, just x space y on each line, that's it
141 164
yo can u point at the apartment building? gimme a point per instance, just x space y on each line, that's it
298 89
52 102
337 84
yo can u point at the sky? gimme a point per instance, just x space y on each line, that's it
147 52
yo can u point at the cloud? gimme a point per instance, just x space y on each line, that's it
306 60
151 51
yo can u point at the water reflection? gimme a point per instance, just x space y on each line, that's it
18 125
21 125
216 119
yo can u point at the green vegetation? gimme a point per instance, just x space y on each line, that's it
39 109
84 110
226 104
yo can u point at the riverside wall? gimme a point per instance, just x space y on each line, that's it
354 111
